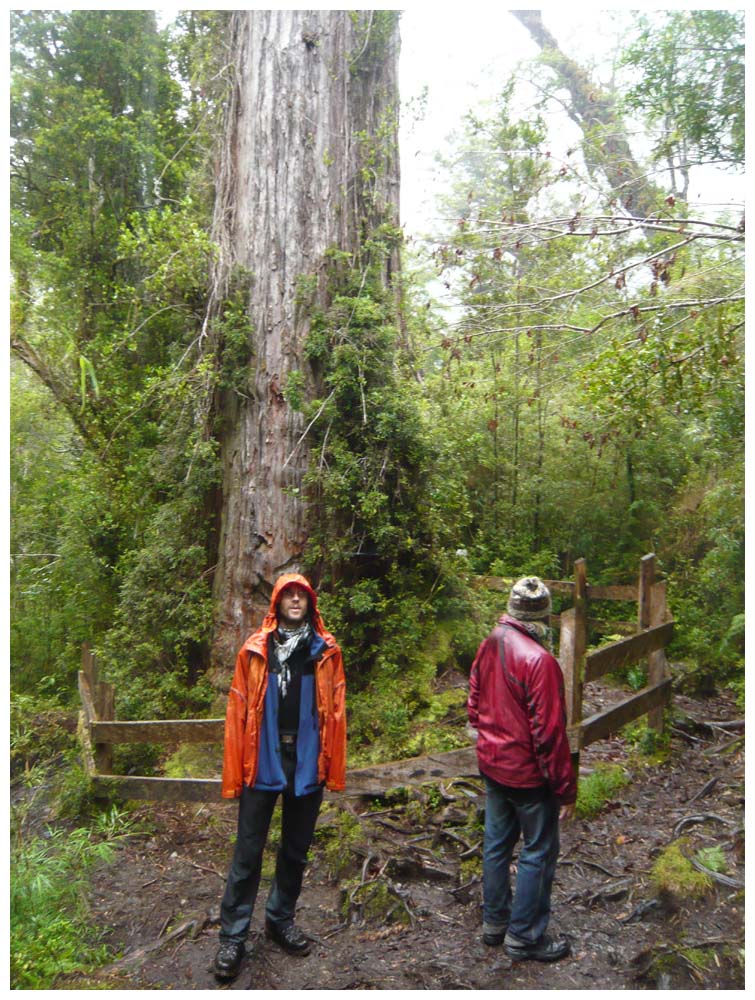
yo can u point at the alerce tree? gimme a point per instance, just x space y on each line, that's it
308 172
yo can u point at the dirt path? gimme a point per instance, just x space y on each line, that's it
159 900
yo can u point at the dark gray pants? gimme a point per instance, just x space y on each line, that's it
299 816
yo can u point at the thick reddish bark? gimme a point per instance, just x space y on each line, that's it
314 98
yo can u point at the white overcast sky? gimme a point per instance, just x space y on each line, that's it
465 54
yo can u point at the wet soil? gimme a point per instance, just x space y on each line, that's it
158 903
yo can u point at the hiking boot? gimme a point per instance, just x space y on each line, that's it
228 960
290 938
547 949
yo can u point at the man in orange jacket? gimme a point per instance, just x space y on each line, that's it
285 734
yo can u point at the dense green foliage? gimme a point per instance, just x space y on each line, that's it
110 257
586 399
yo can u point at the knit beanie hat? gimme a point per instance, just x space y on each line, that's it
530 600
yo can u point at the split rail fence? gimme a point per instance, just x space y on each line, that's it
99 731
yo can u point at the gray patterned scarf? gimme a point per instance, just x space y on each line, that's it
289 642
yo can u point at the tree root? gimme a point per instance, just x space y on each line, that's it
192 927
727 880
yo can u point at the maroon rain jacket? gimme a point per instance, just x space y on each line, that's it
516 704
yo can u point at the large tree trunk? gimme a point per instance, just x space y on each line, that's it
309 163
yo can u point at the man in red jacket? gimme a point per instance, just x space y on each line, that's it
516 705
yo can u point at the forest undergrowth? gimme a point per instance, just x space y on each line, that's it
650 886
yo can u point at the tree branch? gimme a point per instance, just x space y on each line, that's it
590 108
65 394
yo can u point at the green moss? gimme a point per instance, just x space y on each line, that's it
194 760
700 958
596 789
673 874
470 868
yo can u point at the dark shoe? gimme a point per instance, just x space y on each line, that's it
228 960
493 939
545 950
290 938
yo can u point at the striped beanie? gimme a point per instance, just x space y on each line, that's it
529 600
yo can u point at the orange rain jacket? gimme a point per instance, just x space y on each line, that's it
246 701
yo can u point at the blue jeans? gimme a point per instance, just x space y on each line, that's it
298 819
509 813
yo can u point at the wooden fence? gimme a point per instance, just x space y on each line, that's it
653 628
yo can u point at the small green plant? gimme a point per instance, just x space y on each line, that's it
376 901
50 932
674 875
434 798
339 839
637 676
294 390
596 789
470 868
651 744
115 823
75 794
712 858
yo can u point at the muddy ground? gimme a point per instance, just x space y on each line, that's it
158 903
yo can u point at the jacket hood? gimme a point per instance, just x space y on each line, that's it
270 622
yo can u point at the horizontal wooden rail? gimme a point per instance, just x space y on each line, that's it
158 789
362 782
610 720
612 592
595 591
159 731
499 583
619 654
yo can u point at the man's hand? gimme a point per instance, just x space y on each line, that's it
566 812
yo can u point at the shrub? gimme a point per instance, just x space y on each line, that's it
597 788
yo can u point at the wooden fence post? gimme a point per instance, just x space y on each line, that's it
99 703
572 650
105 703
657 664
652 610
